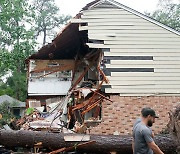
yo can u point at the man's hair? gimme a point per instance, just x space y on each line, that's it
148 111
144 109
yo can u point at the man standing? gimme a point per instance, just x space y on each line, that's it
143 142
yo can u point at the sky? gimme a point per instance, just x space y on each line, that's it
72 7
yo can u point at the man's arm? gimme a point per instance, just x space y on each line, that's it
155 148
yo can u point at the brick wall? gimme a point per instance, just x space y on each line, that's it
118 117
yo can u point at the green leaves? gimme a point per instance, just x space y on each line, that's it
21 22
6 114
47 18
16 44
168 14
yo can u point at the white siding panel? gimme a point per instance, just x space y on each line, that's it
115 34
143 66
112 20
167 58
149 50
96 10
50 87
144 62
110 16
128 31
104 11
166 70
111 34
157 42
73 20
133 46
122 27
145 90
145 38
150 78
94 45
158 54
147 86
152 94
151 82
142 74
127 23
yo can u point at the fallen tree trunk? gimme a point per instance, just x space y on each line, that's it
174 124
103 143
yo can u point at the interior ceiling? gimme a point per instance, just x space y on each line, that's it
66 45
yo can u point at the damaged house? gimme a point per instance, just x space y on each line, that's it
110 61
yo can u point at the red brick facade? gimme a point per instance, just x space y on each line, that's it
118 117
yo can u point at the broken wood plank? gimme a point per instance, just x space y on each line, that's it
57 151
101 95
79 79
45 69
76 137
72 148
97 111
42 64
79 106
104 76
56 70
91 106
95 93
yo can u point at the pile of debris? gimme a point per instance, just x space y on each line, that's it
79 108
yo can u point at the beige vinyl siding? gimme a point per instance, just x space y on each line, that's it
139 53
123 27
134 46
126 34
142 78
143 91
132 37
144 66
146 42
143 62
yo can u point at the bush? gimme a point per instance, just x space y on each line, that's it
6 114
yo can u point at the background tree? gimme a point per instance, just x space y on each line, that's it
168 14
47 18
21 22
5 113
17 41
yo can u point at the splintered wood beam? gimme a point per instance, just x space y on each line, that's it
97 112
99 86
91 106
79 106
57 151
80 78
94 92
45 69
72 147
75 67
104 76
101 95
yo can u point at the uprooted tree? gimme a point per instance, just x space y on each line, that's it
174 124
103 143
